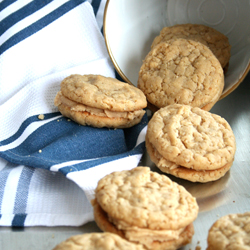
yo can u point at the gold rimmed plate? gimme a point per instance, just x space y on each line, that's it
130 26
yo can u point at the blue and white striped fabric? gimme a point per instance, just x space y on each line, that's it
49 167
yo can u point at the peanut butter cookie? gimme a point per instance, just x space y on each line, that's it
216 41
145 207
97 241
230 232
181 71
100 101
190 143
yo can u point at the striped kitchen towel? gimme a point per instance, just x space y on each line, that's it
49 165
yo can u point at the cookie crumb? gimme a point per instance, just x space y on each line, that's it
69 120
41 117
198 248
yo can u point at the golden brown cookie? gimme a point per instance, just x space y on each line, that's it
97 241
145 207
216 41
181 71
182 172
190 143
230 232
105 225
100 101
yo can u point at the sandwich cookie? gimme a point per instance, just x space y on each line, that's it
145 207
100 101
190 143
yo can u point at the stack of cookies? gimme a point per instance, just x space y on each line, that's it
146 208
190 143
100 101
185 66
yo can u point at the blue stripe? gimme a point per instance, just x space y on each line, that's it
18 220
61 141
65 141
3 179
6 3
132 133
96 4
21 14
89 164
23 190
25 124
40 24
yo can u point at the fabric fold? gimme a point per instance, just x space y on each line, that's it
50 165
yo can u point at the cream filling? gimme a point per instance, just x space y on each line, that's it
146 236
78 107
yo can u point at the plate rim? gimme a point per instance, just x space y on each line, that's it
123 76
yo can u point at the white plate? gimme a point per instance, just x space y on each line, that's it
131 25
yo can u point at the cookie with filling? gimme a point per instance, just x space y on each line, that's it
190 143
145 207
100 101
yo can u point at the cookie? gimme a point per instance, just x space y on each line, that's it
216 41
105 225
182 172
230 232
100 101
95 241
145 207
190 143
181 71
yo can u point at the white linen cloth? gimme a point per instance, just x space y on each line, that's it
49 167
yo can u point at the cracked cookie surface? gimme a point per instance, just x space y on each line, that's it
97 241
100 101
182 172
143 199
216 41
230 232
181 71
103 92
150 239
191 137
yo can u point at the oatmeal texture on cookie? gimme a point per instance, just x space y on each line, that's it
230 232
183 172
216 41
192 137
181 71
141 198
103 92
100 101
97 241
150 239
